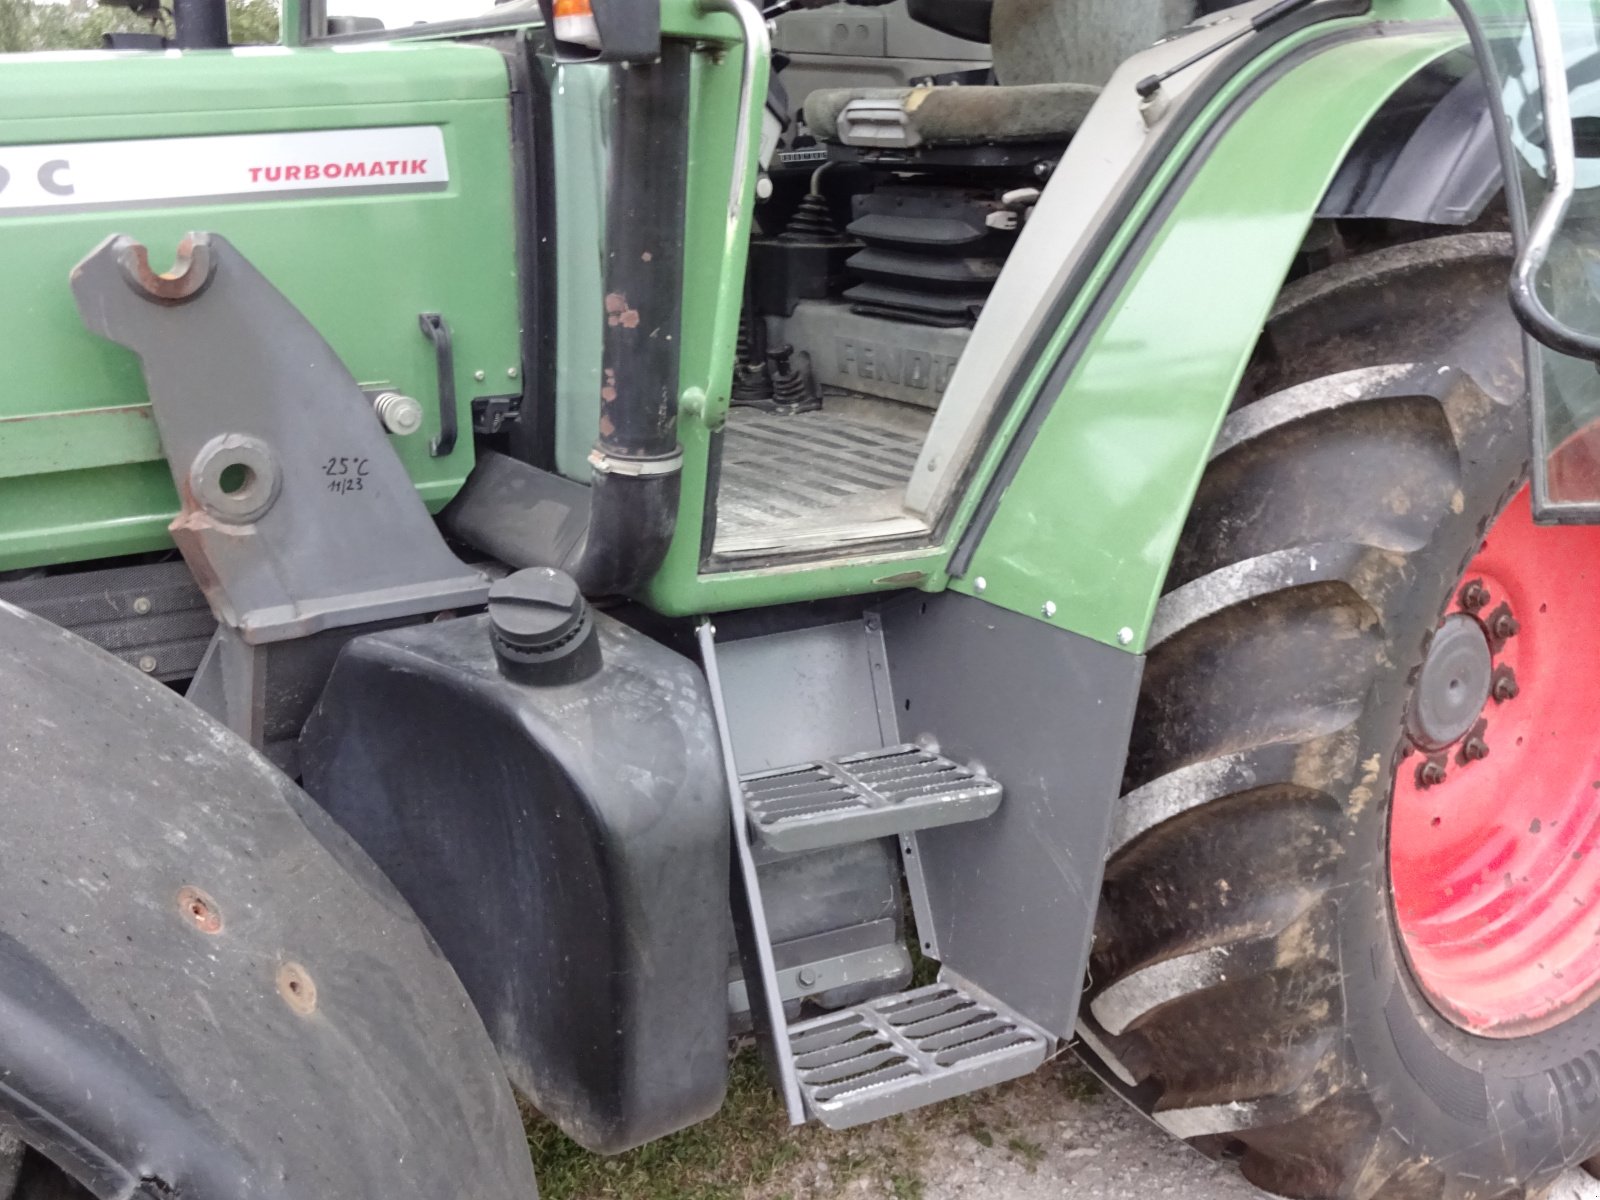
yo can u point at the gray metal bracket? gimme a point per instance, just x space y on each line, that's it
297 515
760 967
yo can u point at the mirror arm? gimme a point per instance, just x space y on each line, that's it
1561 154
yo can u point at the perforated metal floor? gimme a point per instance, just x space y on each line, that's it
817 478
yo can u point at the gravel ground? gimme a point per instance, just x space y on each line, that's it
1053 1135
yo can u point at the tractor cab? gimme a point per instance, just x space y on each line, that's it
1542 59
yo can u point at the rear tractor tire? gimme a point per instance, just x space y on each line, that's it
1350 930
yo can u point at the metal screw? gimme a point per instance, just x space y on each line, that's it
1125 635
1504 625
480 376
1474 595
806 976
1473 749
980 583
147 663
1504 686
1049 608
142 605
1430 772
398 414
511 372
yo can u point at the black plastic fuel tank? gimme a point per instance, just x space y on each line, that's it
564 839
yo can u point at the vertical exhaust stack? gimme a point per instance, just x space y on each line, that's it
200 24
636 461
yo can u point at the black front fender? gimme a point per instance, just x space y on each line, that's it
206 990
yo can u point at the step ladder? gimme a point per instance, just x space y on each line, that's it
893 1053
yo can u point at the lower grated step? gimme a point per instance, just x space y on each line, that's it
864 796
900 1052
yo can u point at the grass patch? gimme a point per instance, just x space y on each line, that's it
1029 1152
744 1145
748 1150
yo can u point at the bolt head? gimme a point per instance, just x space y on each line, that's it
142 605
1049 609
980 583
480 376
1474 595
147 663
1125 636
1429 773
511 372
806 976
1505 688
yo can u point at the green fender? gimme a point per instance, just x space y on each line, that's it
1087 522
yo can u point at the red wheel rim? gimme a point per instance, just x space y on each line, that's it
1494 867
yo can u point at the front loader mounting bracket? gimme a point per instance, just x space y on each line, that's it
297 515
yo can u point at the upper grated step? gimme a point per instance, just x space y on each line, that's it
863 796
899 1052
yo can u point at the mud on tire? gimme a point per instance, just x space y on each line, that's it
1247 987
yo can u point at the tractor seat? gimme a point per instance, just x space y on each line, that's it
1051 58
948 115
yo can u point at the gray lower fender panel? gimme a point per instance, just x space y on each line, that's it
206 989
1012 898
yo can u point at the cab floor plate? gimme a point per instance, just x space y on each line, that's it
900 1052
864 796
793 481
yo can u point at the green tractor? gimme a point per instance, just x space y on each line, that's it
536 544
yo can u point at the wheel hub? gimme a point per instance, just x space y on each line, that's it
1494 857
1453 686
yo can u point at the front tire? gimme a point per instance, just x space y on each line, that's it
1250 986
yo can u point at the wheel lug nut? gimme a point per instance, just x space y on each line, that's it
1504 686
1473 749
1502 626
1430 772
1474 595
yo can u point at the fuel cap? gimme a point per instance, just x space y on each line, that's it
543 628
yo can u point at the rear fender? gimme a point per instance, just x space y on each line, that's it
1082 518
205 988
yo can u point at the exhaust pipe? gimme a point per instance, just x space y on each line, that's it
637 464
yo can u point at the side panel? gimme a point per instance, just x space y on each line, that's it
206 990
80 469
1095 495
1011 899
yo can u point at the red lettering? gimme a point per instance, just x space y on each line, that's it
375 169
255 174
291 172
355 170
332 170
418 166
396 166
312 172
274 174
